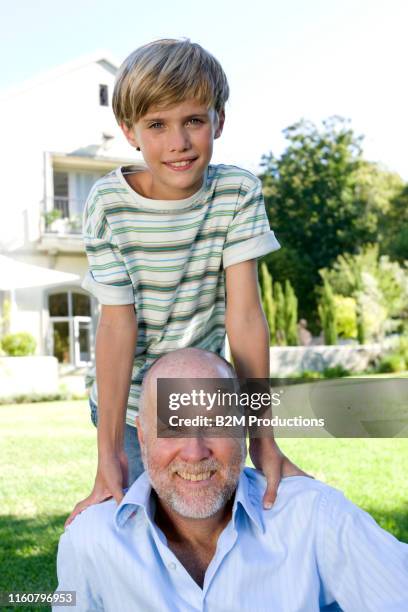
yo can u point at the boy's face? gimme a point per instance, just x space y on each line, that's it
183 133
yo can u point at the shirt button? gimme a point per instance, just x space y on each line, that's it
172 566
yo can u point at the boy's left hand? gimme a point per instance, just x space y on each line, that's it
267 457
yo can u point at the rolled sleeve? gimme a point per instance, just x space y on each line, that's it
107 278
109 295
251 248
249 234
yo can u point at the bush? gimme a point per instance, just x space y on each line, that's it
279 315
328 314
403 347
380 287
395 362
334 372
337 371
21 344
361 320
311 375
33 398
346 320
267 300
290 312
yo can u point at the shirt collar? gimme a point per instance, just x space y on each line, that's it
248 496
137 496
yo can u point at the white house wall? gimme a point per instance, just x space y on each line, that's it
58 114
29 312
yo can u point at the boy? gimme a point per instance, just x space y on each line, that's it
158 238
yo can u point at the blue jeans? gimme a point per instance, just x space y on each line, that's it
131 446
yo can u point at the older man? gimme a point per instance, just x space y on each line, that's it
191 533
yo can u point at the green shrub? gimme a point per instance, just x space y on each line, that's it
279 315
20 344
361 320
346 321
395 362
380 287
403 347
311 375
328 314
32 398
337 371
291 314
267 300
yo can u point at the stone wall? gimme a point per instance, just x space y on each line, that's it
287 360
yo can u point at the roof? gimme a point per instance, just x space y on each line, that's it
102 57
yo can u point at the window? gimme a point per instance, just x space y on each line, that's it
60 184
70 327
103 95
61 193
71 188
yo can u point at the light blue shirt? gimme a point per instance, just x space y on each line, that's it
314 547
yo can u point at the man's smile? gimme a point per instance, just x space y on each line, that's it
202 476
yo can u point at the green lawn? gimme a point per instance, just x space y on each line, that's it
48 459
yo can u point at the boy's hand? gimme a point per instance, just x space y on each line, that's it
111 478
267 457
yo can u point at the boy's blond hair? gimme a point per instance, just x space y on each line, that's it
166 72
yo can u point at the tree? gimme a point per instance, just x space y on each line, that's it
395 243
267 300
322 200
291 309
279 315
376 188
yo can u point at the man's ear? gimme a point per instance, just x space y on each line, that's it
129 134
139 430
221 120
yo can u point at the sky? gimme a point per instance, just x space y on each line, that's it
285 60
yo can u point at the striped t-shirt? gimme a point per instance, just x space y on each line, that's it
167 257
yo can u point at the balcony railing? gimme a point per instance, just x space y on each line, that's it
62 203
60 218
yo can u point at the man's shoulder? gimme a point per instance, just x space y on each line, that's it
232 177
309 495
91 524
304 487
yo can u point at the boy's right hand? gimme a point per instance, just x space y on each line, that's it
111 478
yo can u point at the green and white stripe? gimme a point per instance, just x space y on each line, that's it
168 258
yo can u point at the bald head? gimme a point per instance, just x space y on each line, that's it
183 363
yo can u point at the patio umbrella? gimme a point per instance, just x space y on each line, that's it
19 275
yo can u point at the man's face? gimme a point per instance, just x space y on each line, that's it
195 477
177 145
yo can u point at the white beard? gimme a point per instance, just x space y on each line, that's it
200 503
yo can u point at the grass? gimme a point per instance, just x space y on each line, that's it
371 472
48 461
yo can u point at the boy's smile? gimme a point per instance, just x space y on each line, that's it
177 146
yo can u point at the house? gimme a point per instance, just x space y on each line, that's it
58 135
